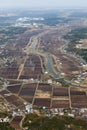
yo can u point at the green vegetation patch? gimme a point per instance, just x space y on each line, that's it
5 114
35 122
74 37
5 126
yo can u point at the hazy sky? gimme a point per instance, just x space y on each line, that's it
43 3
